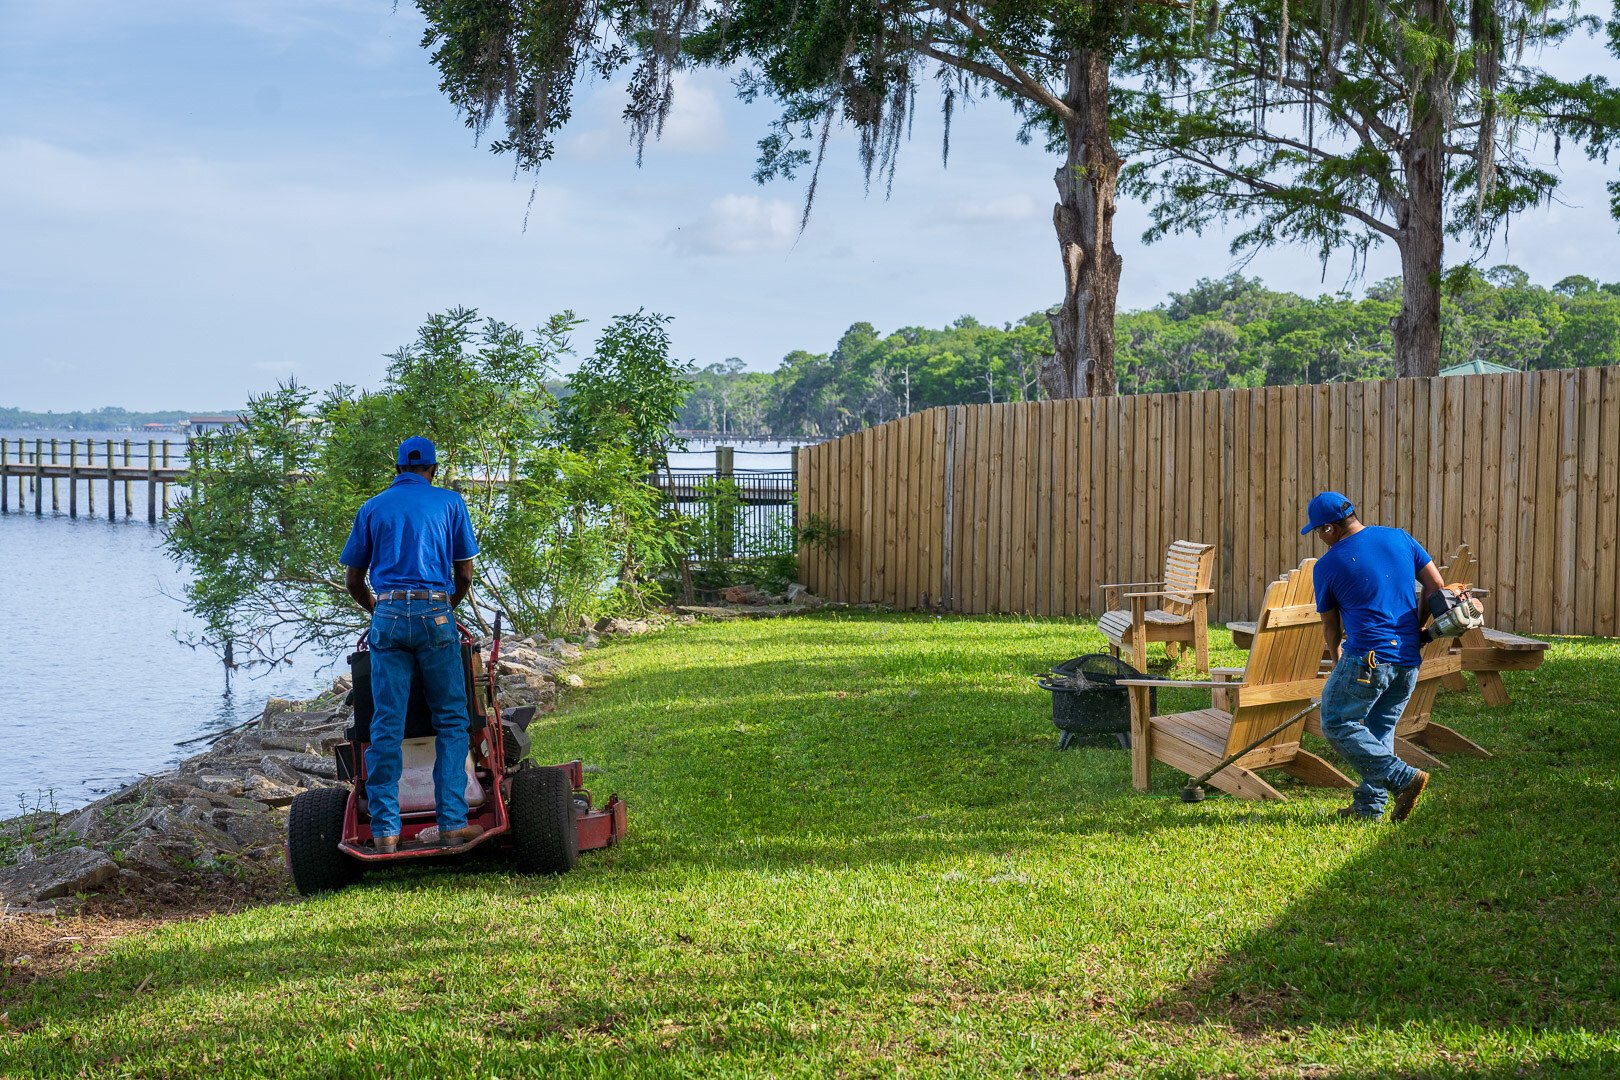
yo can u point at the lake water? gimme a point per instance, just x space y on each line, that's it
97 686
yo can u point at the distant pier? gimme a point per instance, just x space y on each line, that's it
34 470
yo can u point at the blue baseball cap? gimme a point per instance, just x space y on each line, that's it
419 451
1327 508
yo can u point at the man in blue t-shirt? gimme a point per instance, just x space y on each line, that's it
417 542
1365 591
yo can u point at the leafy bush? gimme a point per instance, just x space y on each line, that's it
558 496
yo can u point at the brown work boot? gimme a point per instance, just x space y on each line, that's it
457 837
1407 797
385 845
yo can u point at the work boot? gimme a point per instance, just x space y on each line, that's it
1407 797
456 837
385 845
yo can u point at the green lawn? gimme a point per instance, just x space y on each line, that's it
855 851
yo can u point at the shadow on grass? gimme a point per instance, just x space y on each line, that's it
1496 904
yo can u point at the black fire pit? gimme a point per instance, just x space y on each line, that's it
1087 700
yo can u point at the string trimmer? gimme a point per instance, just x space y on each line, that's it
1194 791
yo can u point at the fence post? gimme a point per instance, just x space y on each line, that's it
39 475
73 478
793 493
112 486
165 482
129 505
724 460
947 594
56 503
5 475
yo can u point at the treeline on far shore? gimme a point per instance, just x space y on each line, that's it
1223 332
110 418
1226 332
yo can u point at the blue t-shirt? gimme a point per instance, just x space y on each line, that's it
410 535
1370 578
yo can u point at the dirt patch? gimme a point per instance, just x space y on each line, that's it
33 946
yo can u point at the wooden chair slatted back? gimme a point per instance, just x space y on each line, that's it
1288 652
1187 568
1461 571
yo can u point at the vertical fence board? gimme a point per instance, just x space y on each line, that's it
1585 525
1484 538
1545 565
1608 511
1569 432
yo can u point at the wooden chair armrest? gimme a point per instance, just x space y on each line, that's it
1178 684
1172 592
1127 584
1227 672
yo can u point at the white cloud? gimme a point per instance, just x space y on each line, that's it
696 123
998 211
738 225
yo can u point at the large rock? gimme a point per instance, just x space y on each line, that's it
78 869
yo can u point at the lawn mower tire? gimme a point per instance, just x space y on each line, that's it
544 837
314 830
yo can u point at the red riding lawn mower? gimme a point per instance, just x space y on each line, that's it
540 816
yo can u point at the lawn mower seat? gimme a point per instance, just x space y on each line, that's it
416 779
418 717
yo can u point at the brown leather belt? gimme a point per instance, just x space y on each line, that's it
413 594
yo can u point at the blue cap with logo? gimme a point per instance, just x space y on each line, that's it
419 451
1327 508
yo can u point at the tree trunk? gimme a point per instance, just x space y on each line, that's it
1083 328
1421 216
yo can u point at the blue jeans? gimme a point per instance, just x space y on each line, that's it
1360 707
416 638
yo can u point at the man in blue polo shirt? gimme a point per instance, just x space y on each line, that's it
417 542
1364 591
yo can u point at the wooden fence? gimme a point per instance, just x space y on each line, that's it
1030 507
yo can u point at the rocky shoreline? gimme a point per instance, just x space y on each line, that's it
217 821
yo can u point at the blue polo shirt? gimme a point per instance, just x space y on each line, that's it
410 535
1370 578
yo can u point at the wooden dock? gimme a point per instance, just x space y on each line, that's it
66 475
33 467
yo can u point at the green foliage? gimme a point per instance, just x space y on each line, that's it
567 524
854 852
1222 332
628 392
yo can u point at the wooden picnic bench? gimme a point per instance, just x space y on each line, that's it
1181 616
1282 679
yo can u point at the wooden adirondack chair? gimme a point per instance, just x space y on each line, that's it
1282 678
1182 614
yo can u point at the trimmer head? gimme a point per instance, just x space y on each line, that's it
1192 793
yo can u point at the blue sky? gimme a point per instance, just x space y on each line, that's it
201 197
